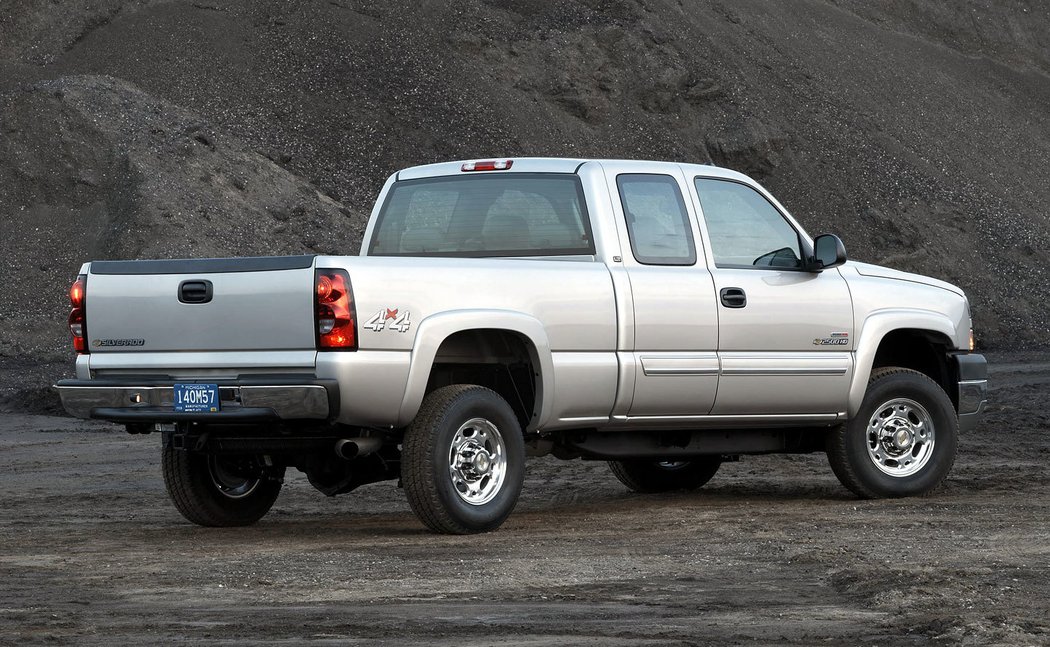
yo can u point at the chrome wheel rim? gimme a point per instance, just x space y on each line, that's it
229 484
477 461
672 465
900 437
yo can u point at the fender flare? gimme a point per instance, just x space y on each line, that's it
875 328
435 329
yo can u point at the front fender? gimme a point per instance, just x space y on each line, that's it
435 329
875 328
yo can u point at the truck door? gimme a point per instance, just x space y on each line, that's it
676 326
785 334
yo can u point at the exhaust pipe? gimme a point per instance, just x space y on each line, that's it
351 448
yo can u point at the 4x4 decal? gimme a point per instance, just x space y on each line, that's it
401 321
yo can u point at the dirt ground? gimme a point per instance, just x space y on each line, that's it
773 552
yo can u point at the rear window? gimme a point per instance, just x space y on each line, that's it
522 214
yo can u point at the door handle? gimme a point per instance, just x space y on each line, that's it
733 297
195 291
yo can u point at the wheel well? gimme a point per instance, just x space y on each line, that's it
501 360
923 351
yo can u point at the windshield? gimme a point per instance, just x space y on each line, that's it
520 214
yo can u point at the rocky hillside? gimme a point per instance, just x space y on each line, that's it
918 130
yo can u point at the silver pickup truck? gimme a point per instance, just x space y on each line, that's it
663 317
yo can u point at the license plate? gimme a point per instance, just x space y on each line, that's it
195 398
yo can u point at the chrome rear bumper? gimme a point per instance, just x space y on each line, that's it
240 401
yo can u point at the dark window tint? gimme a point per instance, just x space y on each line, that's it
484 215
745 230
657 221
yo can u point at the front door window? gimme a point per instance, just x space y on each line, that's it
746 231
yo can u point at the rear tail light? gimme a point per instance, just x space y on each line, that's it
488 165
334 313
77 317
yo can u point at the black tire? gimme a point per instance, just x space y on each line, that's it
439 494
207 490
648 476
856 453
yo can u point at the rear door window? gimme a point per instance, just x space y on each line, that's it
657 221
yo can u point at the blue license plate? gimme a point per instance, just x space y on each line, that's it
195 398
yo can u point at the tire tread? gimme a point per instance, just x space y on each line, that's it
640 476
838 453
418 476
195 498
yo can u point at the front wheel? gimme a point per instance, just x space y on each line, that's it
212 490
463 460
642 475
903 440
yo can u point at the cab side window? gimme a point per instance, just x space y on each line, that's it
745 229
657 221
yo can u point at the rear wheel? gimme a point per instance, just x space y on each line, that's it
212 490
663 476
903 440
463 460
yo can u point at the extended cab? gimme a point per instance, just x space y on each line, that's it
664 317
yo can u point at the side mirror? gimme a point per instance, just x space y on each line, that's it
828 252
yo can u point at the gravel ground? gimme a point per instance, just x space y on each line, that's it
773 551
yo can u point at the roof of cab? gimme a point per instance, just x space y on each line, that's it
548 165
520 165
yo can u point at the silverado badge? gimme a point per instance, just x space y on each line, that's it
111 343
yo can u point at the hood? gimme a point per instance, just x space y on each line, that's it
867 269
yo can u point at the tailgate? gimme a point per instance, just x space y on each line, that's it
225 304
